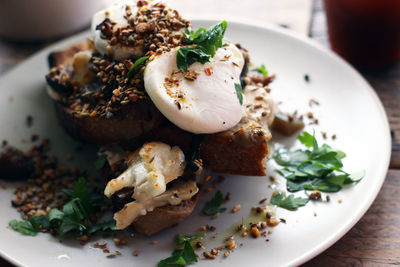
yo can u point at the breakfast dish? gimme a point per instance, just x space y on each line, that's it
318 219
147 81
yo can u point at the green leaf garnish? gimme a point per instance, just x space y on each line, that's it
180 257
213 206
187 238
290 202
203 44
137 63
74 217
315 167
239 93
262 70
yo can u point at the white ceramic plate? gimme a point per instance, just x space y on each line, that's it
348 107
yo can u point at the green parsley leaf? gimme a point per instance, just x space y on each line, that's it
39 222
313 168
290 202
203 44
213 206
137 63
100 162
187 238
102 227
23 227
30 227
239 93
180 257
262 70
55 215
186 56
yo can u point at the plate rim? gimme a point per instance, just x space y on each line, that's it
340 232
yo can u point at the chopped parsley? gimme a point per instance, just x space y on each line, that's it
74 217
262 70
202 45
137 63
239 93
288 202
180 257
314 167
212 207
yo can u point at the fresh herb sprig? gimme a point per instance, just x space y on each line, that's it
74 217
314 168
180 257
262 70
135 65
289 202
213 206
239 93
202 45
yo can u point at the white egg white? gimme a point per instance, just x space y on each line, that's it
207 104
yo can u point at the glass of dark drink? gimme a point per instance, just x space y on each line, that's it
365 32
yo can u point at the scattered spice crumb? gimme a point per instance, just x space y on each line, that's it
324 134
260 209
226 254
34 137
263 225
231 244
236 208
340 201
208 255
111 256
118 253
29 120
315 214
272 222
307 78
137 252
315 195
199 244
208 178
328 198
282 220
228 196
310 115
333 136
312 101
270 231
255 232
262 200
203 228
154 242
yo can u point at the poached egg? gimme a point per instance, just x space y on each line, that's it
204 99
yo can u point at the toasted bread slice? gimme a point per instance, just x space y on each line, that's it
136 120
163 217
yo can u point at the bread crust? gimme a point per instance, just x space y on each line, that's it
164 217
133 121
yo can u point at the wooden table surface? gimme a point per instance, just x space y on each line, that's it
375 239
